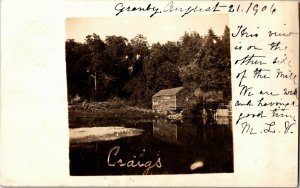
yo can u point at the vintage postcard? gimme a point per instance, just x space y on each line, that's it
140 93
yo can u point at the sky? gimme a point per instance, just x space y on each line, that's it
156 29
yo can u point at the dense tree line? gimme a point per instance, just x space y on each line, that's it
100 69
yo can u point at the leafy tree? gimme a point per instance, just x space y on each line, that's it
96 49
116 69
140 50
225 64
209 69
77 61
160 68
190 47
134 70
159 71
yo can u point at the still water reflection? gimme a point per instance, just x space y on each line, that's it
165 147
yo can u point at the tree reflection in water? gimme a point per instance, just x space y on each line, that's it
183 146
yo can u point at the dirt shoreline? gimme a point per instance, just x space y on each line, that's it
92 134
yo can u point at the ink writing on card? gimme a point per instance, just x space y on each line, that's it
188 9
260 65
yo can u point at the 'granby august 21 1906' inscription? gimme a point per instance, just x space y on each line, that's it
172 7
271 106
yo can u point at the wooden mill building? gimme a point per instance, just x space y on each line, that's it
168 100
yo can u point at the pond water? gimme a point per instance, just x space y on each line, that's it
164 147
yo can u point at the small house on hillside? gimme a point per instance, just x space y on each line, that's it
168 100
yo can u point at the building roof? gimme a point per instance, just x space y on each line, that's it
172 91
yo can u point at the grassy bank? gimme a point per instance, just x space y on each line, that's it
109 109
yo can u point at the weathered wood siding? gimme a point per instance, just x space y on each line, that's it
163 103
180 100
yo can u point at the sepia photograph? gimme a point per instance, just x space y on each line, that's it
149 96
